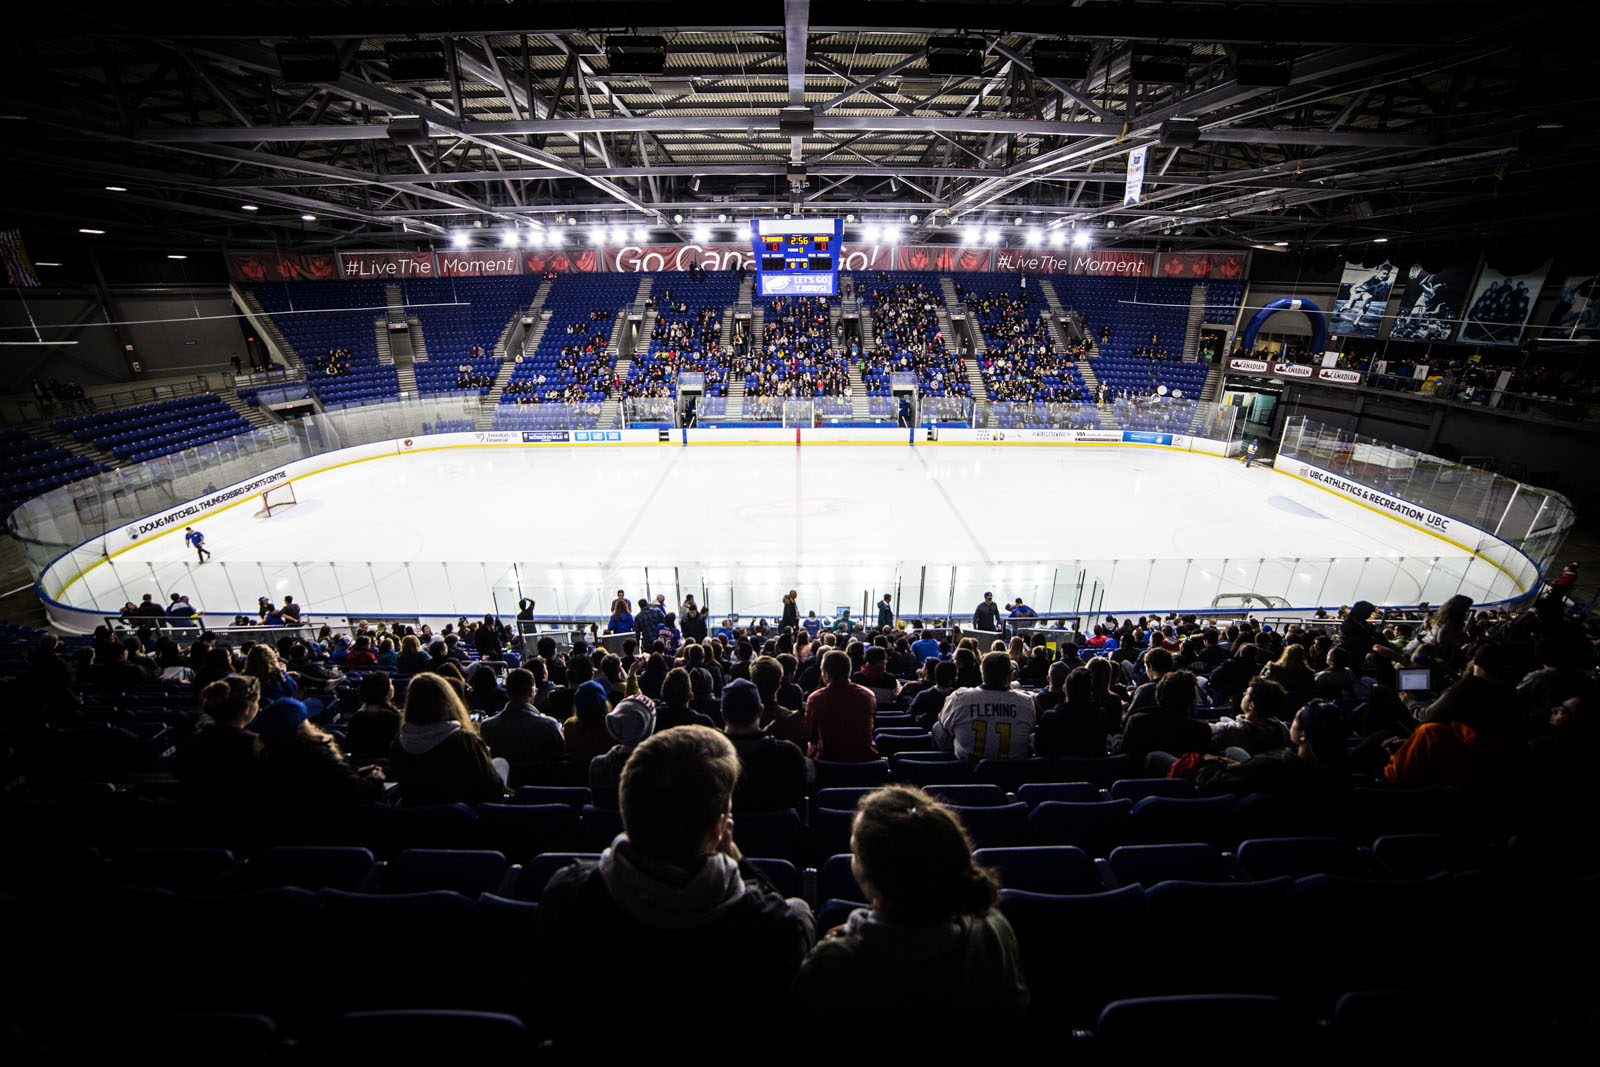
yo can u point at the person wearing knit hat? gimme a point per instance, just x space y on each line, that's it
585 732
303 765
633 720
773 772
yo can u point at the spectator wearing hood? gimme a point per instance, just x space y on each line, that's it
438 758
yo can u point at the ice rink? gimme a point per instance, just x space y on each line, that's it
468 530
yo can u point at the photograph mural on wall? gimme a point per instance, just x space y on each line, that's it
1576 317
1431 303
1363 294
1500 306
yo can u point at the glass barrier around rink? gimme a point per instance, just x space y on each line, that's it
651 411
745 591
1532 520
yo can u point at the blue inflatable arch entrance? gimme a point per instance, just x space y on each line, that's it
1319 322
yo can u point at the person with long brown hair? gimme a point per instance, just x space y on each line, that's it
439 757
931 945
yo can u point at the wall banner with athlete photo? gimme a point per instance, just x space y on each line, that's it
1576 317
1500 306
1431 303
1363 295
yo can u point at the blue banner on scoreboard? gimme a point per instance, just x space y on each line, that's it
797 257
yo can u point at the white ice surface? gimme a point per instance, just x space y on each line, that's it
469 530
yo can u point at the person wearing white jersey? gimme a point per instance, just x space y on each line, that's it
991 721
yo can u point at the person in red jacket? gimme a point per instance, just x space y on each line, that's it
840 715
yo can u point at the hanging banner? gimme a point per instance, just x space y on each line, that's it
259 267
1500 306
479 264
1431 303
560 261
386 266
1135 186
1225 266
647 259
1363 294
944 258
1576 318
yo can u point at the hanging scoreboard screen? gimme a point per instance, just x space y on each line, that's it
797 256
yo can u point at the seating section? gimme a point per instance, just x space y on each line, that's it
569 365
31 466
461 319
1021 363
151 430
1133 310
797 356
686 335
330 325
1222 302
904 309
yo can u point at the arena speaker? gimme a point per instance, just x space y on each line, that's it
1263 67
412 129
308 61
796 121
960 57
416 61
646 54
1180 133
1159 64
1062 58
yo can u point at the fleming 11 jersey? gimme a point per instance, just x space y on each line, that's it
989 723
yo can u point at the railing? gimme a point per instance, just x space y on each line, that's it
755 588
1534 521
652 410
28 408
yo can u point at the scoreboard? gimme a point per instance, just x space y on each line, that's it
797 257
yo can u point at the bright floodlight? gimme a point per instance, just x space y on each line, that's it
1059 238
891 234
460 240
702 235
641 235
619 234
871 233
971 235
508 239
1081 238
535 238
722 218
677 219
1017 221
992 236
1034 236
555 239
598 235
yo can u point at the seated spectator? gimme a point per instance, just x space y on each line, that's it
388 656
932 946
1291 671
840 715
773 772
778 718
360 655
411 659
585 732
1154 740
992 721
874 675
677 696
629 723
1485 696
438 757
1314 767
1339 682
520 733
303 765
483 692
219 765
669 915
1074 727
372 729
1259 728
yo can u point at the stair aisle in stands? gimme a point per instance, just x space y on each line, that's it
1057 313
1197 315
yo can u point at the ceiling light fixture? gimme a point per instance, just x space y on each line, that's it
248 207
702 235
176 256
84 230
116 189
308 218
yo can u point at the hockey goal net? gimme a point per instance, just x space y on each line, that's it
275 499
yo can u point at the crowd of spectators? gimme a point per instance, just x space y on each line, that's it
334 363
69 396
905 328
797 356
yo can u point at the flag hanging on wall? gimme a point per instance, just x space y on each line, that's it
19 268
1135 188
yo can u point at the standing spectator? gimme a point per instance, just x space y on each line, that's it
886 613
987 617
791 610
840 715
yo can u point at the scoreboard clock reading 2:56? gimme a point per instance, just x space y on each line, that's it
798 257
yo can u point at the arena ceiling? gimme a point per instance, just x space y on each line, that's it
158 125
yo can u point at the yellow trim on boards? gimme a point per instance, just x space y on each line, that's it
1405 522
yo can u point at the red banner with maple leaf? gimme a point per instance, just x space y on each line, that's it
1224 266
